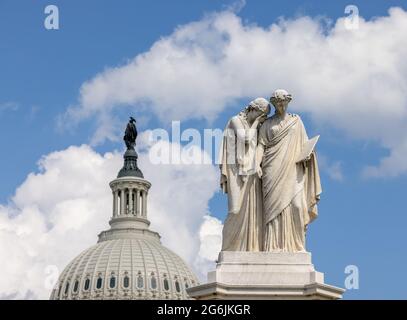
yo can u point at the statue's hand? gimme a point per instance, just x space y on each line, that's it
260 119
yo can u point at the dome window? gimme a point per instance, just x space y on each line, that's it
177 286
186 283
59 290
99 283
76 286
166 284
126 281
87 285
153 282
67 288
140 282
112 283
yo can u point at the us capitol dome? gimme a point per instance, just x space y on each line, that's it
128 261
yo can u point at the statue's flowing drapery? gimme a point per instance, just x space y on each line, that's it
242 229
290 190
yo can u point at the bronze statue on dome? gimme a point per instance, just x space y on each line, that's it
130 134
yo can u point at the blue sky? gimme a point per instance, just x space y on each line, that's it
361 218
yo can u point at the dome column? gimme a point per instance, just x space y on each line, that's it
144 196
131 201
115 202
122 202
138 203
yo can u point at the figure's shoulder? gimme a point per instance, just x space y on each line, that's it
295 117
235 122
235 119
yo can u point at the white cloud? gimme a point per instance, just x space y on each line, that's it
178 200
58 212
8 106
210 235
354 80
332 168
53 215
392 165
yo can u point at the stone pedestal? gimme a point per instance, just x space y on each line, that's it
265 275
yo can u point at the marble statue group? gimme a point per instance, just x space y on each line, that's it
270 173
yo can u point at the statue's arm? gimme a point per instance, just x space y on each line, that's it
259 159
261 140
243 134
239 130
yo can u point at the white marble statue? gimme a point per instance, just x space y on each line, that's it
244 223
273 189
269 171
291 184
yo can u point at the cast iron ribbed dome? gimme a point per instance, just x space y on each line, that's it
128 262
125 269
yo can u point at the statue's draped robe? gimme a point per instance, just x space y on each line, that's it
242 229
290 190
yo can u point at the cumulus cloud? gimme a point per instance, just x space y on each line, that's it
53 215
352 80
210 234
179 202
210 240
332 168
8 106
393 164
58 211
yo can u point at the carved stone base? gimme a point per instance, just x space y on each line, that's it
265 275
